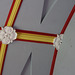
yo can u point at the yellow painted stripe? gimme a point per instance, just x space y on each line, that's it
35 37
14 12
2 52
10 22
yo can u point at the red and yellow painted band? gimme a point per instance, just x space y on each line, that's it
34 37
9 22
13 12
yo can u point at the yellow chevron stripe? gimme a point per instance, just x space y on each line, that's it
35 37
14 12
2 52
10 22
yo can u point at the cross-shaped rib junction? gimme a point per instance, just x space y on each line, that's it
22 34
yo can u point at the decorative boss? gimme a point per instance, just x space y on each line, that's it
7 35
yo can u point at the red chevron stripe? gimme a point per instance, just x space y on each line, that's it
12 25
62 32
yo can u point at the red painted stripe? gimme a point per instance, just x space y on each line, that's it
34 41
0 28
4 60
10 12
4 26
34 32
12 25
63 30
68 20
53 62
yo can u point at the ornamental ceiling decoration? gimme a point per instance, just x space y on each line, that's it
8 35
